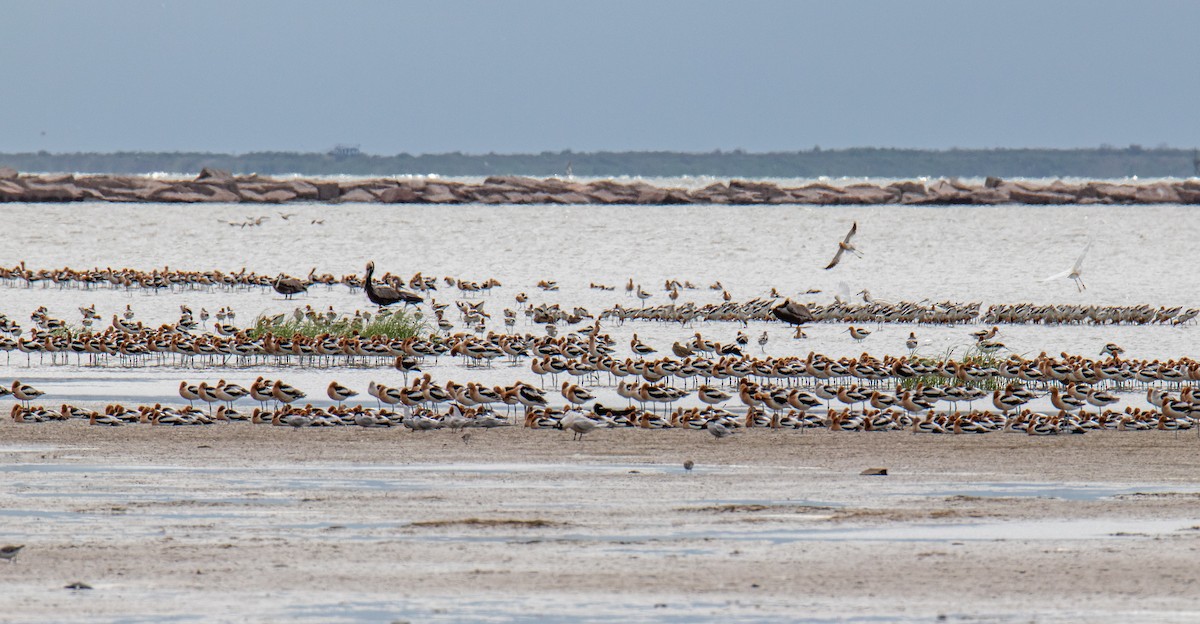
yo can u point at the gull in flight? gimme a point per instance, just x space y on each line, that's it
1074 272
844 246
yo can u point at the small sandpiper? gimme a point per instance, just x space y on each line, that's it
9 552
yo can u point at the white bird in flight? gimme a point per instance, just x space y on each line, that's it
1074 272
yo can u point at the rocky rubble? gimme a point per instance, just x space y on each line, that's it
221 186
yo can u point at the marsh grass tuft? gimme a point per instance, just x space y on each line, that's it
391 324
974 356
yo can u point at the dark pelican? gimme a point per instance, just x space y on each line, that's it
288 286
386 295
792 312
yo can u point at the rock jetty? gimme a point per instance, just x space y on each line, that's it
222 187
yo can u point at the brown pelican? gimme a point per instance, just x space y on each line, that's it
288 286
792 312
386 295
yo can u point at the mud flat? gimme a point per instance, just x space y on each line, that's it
214 186
257 523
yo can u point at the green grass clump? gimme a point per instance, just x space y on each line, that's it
390 324
974 356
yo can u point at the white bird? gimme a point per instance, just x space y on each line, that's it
577 423
1074 272
717 429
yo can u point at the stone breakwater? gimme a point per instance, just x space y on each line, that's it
222 187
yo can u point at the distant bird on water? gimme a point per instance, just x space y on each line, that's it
843 246
1074 272
385 294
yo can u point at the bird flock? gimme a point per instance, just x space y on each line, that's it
576 367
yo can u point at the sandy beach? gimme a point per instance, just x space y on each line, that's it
256 523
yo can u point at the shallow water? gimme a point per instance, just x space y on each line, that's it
988 254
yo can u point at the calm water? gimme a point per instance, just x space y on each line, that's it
1142 254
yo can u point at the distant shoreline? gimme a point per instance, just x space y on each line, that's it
215 186
1099 163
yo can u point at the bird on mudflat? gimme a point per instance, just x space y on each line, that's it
717 429
7 553
843 246
385 294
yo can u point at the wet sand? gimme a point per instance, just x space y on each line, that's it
255 523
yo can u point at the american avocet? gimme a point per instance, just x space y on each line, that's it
858 334
338 392
25 392
285 393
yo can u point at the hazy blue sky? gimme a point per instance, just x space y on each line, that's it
695 75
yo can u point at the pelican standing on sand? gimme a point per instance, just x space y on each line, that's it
843 246
385 294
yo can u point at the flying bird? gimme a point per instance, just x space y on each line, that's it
844 246
1074 272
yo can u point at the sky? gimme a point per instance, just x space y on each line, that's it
531 76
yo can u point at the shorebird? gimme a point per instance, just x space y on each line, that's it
229 392
25 392
643 295
285 393
711 396
985 334
990 346
639 347
406 364
844 246
207 394
189 392
1074 272
912 342
7 553
858 334
384 294
338 392
1111 349
576 394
